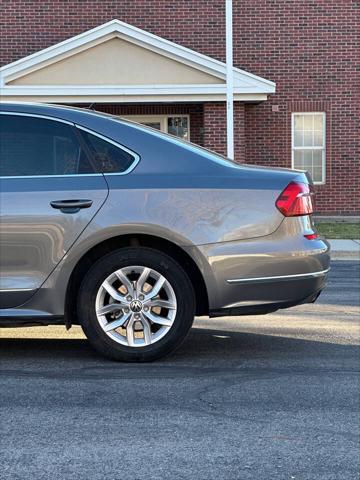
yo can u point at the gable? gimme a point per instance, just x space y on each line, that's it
115 62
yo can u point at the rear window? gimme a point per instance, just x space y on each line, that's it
209 154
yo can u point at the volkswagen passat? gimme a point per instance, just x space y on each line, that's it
130 233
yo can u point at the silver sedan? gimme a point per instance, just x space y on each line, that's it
130 233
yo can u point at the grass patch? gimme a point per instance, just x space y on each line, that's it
350 231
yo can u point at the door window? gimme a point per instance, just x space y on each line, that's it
178 126
32 146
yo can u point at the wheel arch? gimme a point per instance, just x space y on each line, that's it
133 240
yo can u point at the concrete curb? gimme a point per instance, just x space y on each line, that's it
337 219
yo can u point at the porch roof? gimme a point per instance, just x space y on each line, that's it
117 62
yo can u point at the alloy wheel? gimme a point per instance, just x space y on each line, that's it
136 306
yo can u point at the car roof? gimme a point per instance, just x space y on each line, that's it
65 112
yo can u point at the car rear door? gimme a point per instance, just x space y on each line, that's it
49 193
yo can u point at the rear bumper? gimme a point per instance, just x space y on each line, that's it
275 294
263 274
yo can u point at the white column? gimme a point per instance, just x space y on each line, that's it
229 81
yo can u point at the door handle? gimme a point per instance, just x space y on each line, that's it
71 206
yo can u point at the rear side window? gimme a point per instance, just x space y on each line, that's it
106 156
31 146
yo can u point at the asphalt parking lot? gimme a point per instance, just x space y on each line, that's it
266 397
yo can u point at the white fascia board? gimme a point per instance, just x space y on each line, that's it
198 89
141 38
78 98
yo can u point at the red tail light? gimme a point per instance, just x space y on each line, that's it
311 236
296 199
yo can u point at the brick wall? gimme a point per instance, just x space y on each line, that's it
308 48
215 128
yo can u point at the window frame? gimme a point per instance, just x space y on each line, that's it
321 148
162 119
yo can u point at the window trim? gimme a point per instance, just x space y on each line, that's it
37 115
322 148
75 126
163 119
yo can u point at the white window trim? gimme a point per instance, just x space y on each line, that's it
322 148
163 119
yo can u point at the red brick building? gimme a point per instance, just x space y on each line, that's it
161 62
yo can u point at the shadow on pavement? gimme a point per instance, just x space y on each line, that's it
202 347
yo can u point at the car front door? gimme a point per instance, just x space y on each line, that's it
49 193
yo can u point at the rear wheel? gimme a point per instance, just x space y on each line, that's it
136 304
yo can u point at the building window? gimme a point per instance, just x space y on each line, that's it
308 144
178 125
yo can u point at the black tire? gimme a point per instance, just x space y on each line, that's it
147 257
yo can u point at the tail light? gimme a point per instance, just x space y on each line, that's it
296 199
311 236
